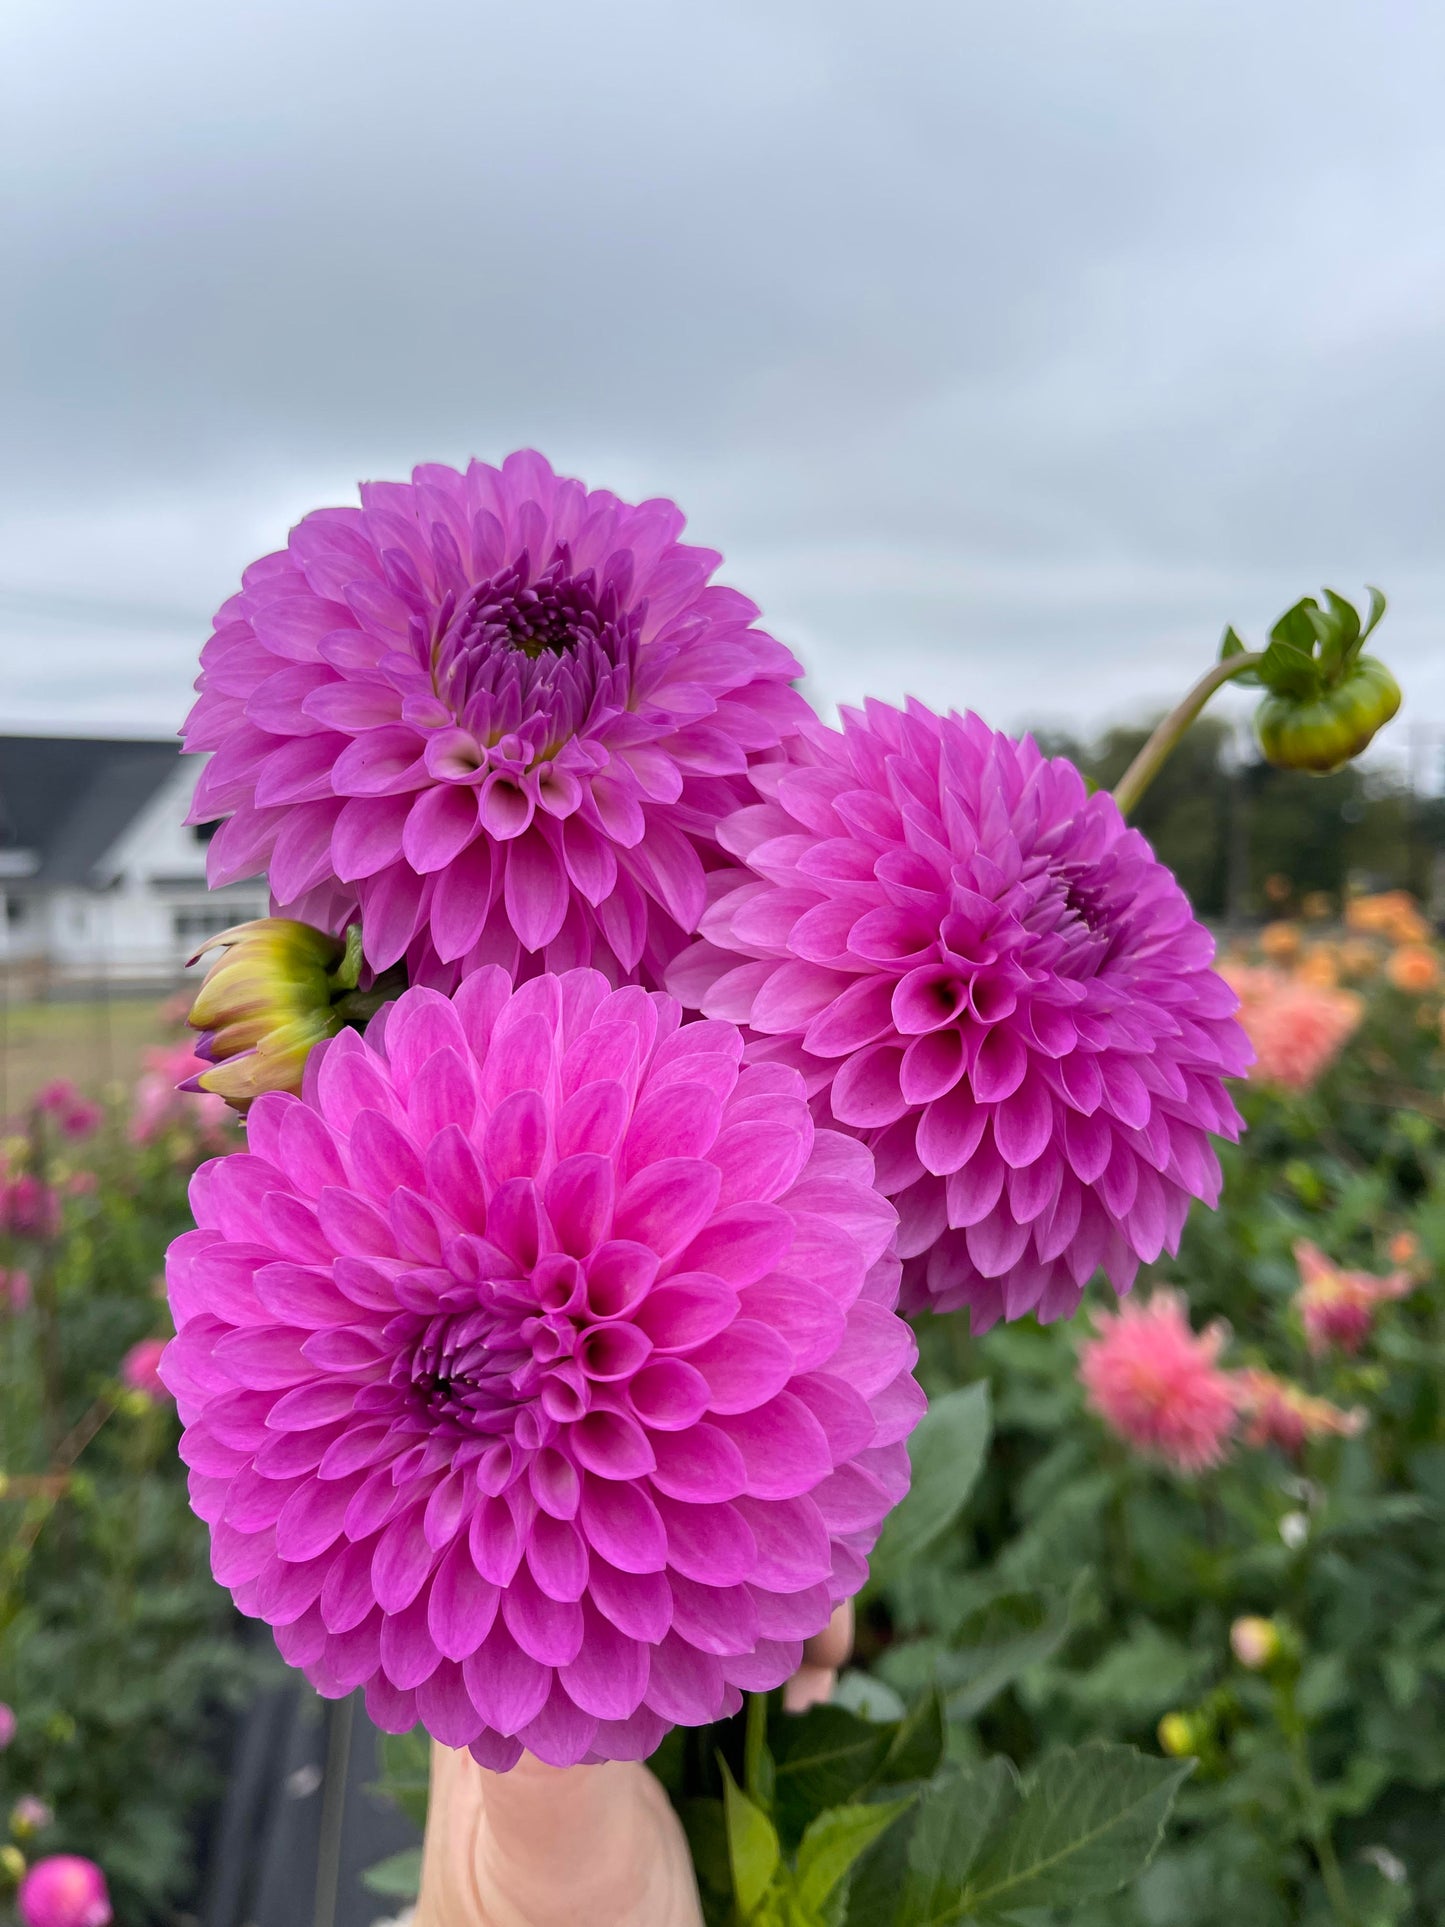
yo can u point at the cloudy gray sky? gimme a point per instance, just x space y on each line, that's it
1007 351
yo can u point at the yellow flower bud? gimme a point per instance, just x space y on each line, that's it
12 1864
277 990
1177 1736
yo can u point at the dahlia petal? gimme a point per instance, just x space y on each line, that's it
608 1678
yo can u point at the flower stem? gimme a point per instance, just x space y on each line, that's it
1156 752
1317 1826
755 1739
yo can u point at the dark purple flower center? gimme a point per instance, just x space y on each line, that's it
461 1366
556 641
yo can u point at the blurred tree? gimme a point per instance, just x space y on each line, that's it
1224 825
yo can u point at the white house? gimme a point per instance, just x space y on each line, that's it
100 882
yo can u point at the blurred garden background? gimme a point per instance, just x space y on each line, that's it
1210 1526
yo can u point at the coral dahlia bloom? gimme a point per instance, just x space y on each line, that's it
1158 1384
1280 1413
494 714
1297 1028
1337 1308
987 975
539 1368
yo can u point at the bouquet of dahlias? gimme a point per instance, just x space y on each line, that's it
623 1042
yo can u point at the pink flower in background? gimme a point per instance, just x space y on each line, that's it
15 1292
140 1369
983 972
7 1725
64 1891
494 713
81 1184
1158 1384
159 1105
29 1208
1337 1308
74 1114
539 1368
1297 1028
1282 1414
30 1815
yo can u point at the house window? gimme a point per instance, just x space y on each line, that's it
194 925
15 909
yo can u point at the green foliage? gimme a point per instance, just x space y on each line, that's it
1083 1593
118 1652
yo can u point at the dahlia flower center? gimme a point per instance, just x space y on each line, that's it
1078 908
556 613
462 1367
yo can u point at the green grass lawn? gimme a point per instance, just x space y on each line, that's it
95 1044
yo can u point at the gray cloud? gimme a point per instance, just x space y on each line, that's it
1006 352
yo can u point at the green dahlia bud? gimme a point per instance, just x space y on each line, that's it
1324 698
277 989
1332 729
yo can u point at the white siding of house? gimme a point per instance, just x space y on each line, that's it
149 909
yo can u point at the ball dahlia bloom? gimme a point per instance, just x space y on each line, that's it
539 1368
1159 1385
493 715
988 976
1337 1308
64 1891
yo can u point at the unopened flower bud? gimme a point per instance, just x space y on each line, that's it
276 991
29 1816
12 1865
1255 1642
1179 1736
1323 732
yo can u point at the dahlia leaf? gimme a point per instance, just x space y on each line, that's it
956 1819
947 1451
1001 1640
916 1747
834 1843
823 1757
1089 1822
398 1876
753 1849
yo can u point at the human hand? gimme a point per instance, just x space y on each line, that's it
580 1846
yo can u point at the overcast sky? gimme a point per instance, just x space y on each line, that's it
1006 351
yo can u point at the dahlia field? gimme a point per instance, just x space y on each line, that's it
669 1171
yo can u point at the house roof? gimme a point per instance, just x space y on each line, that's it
65 800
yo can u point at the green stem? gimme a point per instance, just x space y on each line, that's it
1317 1827
755 1739
1156 752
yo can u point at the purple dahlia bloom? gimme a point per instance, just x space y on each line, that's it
494 714
539 1368
991 979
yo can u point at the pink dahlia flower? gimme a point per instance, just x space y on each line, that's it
1158 1384
8 1724
15 1291
1337 1308
162 1102
496 715
1297 1029
983 972
64 1891
539 1368
1280 1413
29 1208
74 1113
140 1369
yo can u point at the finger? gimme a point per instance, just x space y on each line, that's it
822 1656
559 1844
834 1645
